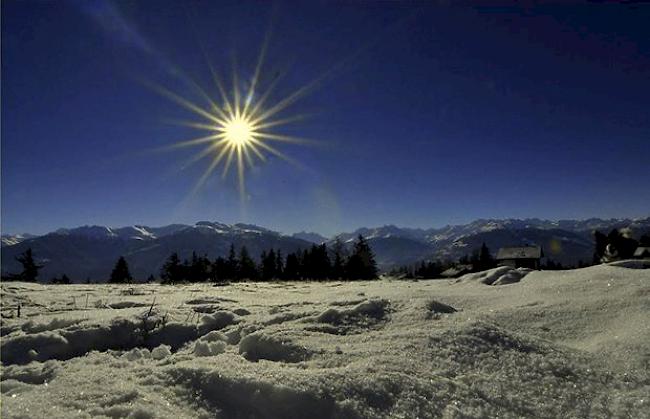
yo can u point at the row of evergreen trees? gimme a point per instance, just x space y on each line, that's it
315 263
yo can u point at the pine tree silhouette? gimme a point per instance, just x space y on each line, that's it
338 264
232 264
30 267
362 264
247 267
172 270
485 259
121 274
279 264
292 267
219 272
268 268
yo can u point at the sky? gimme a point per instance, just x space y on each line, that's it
422 114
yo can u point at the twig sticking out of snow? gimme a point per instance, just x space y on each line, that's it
152 304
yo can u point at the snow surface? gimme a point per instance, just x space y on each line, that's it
532 344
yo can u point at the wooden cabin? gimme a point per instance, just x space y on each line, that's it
520 257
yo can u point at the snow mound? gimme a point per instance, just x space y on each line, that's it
502 275
121 334
436 307
34 327
137 354
203 348
161 352
216 321
240 396
33 373
213 343
256 346
127 304
370 309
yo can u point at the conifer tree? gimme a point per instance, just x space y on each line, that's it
279 264
199 269
321 265
292 267
30 267
232 264
268 265
338 264
219 271
362 264
247 267
485 259
121 274
172 270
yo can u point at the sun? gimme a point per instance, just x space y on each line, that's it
238 131
240 124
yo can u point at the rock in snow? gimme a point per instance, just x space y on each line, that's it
549 344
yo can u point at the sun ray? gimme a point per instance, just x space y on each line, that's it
279 122
185 103
265 96
206 174
222 90
187 143
285 138
206 152
287 101
231 152
247 155
256 75
235 88
276 152
257 152
240 174
192 124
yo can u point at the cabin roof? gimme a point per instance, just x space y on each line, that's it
522 252
642 250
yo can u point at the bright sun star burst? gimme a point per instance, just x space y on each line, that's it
238 131
239 124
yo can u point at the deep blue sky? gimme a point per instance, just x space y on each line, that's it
433 115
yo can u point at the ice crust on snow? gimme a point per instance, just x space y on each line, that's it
554 344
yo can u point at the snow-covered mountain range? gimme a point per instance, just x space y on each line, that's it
90 251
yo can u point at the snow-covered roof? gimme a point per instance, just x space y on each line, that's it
523 252
642 251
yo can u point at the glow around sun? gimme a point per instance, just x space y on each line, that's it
239 125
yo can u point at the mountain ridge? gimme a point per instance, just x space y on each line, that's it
91 250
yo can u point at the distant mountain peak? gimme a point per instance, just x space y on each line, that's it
310 237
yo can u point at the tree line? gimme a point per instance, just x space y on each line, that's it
316 263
